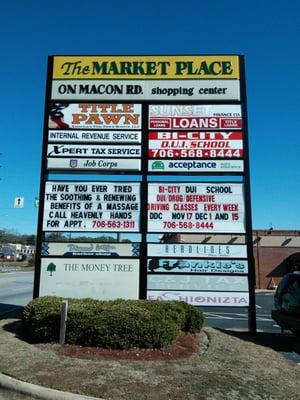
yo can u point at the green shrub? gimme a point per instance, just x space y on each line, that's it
194 319
115 324
41 319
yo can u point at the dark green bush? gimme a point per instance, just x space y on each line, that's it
41 319
194 319
111 324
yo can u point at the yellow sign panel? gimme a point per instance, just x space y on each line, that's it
146 67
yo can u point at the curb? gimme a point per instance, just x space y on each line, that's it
39 392
265 290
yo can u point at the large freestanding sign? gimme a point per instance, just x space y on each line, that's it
151 118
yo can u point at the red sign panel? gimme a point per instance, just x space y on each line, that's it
157 135
195 144
195 123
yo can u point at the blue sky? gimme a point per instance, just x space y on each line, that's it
267 32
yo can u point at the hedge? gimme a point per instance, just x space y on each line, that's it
114 324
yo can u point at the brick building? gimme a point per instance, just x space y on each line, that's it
276 252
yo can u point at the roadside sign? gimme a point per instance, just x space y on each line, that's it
19 202
137 116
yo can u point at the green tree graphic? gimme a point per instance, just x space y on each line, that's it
51 268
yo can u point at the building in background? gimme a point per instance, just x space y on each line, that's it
27 251
276 252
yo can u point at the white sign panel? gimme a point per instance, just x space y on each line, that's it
103 279
91 206
183 250
196 207
68 136
93 164
215 299
195 166
146 90
90 249
198 282
182 117
197 266
95 116
19 202
82 150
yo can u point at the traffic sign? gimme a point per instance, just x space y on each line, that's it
19 202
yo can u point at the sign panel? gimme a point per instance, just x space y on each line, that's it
141 67
194 153
183 250
92 206
217 299
197 266
194 166
206 117
69 249
195 145
145 90
95 116
196 207
92 164
19 202
104 279
198 282
94 137
85 150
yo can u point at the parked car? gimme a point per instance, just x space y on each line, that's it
293 262
20 257
9 254
287 303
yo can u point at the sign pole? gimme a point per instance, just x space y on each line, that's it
144 202
44 176
63 321
249 240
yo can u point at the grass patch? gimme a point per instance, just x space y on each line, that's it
232 368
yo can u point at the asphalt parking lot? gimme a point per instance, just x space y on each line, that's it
268 332
237 318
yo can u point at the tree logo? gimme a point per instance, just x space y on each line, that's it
51 268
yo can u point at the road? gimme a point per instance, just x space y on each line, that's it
15 290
